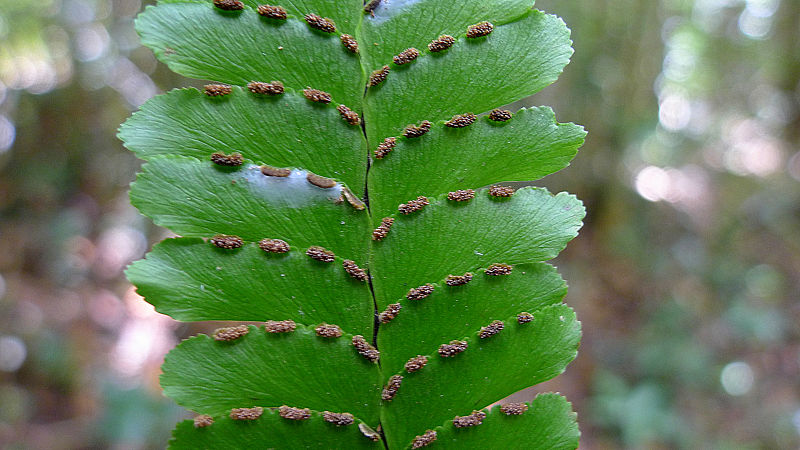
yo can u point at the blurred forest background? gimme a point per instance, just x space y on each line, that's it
685 275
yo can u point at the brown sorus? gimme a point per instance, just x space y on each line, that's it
320 181
320 23
421 292
221 159
349 43
383 229
348 115
452 349
227 241
474 419
292 413
390 312
230 333
338 419
461 195
354 271
524 317
260 87
365 349
391 388
424 440
441 43
413 205
458 280
369 432
406 56
416 363
385 147
216 90
490 330
273 12
378 76
320 254
315 95
501 191
513 409
328 330
479 29
498 269
203 420
229 5
413 131
280 326
354 201
275 171
273 245
246 413
461 120
500 115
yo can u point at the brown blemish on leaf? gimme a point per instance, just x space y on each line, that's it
390 312
216 90
349 43
226 241
414 131
370 7
383 229
500 115
378 76
461 195
458 280
280 326
406 56
203 420
354 271
338 419
246 413
524 317
369 432
416 363
385 147
328 330
391 388
272 12
320 23
461 120
501 191
275 171
498 269
221 159
513 409
472 420
424 440
452 349
365 349
271 88
354 201
443 42
320 181
320 254
479 29
490 330
229 5
273 245
413 205
315 95
292 413
230 333
421 292
348 115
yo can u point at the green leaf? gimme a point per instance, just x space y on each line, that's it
455 312
189 279
475 75
398 25
298 369
450 237
198 40
448 159
548 424
490 369
269 130
269 431
198 199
